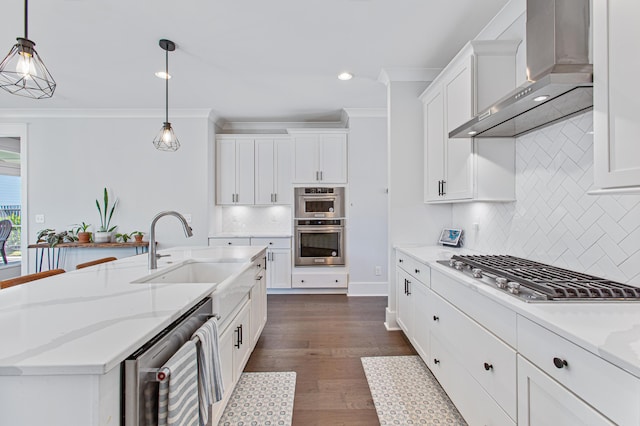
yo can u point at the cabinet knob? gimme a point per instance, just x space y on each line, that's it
417 271
436 318
229 243
488 366
560 363
301 281
400 260
336 280
436 361
270 243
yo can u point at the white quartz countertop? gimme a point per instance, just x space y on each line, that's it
610 330
87 321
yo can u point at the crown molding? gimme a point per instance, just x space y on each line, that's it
278 126
102 113
509 14
366 112
388 75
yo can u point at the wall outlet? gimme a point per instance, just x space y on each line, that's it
378 270
187 216
39 218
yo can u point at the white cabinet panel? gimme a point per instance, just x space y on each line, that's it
236 241
283 174
404 312
616 94
542 401
235 171
279 268
273 180
434 147
265 170
320 157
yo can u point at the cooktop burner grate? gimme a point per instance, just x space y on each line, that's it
556 283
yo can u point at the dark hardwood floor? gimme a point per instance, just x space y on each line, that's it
321 338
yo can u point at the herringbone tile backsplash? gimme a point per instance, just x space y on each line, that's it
554 220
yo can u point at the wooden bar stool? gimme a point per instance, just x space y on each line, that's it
96 262
31 277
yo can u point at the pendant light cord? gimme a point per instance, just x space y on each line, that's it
26 20
166 71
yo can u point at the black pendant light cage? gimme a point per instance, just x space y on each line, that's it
22 72
166 139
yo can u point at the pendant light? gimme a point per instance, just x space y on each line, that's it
166 140
22 72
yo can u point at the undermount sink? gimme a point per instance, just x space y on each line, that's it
193 272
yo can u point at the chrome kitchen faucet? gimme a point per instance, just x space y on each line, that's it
153 256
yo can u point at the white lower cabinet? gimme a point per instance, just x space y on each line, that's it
404 315
543 401
474 403
278 262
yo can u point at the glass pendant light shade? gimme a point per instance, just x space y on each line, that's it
22 72
166 140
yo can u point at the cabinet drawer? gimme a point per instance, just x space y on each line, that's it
607 388
414 268
272 242
475 405
489 360
493 316
319 281
229 241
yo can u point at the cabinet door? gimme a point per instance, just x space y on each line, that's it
257 295
422 315
245 172
616 94
543 401
279 268
433 144
226 349
265 170
459 109
226 173
242 340
283 175
333 158
404 313
305 153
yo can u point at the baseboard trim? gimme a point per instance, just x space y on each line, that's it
368 289
390 320
306 291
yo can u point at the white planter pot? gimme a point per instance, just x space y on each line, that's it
102 237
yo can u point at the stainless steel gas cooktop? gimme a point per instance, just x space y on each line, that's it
537 282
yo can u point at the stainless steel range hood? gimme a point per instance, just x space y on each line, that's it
559 72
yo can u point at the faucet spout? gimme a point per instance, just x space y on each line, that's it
153 256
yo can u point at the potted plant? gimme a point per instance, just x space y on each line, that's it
83 234
123 237
137 236
53 238
103 234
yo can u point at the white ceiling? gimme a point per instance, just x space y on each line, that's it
248 60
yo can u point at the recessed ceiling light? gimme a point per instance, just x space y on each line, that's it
163 75
345 76
471 133
541 98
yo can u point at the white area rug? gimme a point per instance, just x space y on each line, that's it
406 393
261 399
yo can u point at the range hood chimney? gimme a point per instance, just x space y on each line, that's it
558 69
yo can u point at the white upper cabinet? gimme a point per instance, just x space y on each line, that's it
466 169
319 156
616 95
235 171
273 176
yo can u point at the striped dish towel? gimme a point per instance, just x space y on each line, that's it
178 395
209 372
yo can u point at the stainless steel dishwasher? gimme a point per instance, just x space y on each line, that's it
139 383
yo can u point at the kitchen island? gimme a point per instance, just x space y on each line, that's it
64 337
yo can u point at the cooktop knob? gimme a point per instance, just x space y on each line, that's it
459 265
501 282
514 287
477 272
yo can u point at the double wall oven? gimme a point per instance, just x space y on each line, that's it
319 226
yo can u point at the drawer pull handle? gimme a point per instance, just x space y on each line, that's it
436 318
560 363
436 361
488 366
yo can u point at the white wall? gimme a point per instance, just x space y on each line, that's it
366 244
554 220
410 220
70 161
